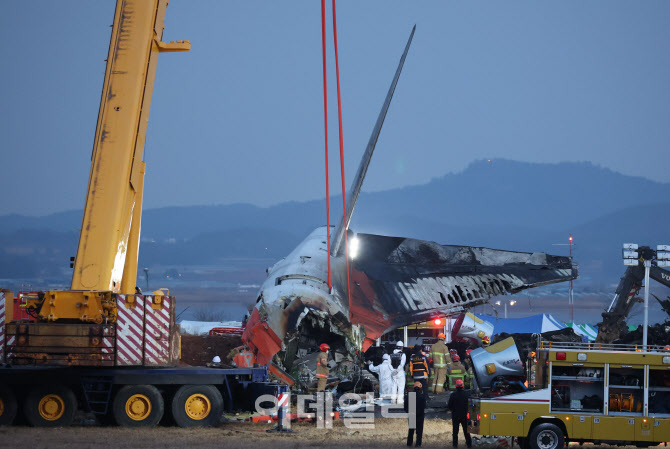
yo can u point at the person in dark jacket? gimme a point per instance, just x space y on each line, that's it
418 368
419 413
458 405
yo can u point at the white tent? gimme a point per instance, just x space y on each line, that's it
585 330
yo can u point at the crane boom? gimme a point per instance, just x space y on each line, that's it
609 329
109 241
102 320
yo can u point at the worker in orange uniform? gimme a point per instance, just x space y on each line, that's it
439 352
242 357
322 369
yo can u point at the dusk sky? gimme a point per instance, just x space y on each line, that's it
239 118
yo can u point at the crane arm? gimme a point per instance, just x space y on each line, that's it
109 241
660 275
625 297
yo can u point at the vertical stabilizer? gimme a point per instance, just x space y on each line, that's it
355 189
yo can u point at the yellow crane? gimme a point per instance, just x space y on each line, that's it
67 327
50 365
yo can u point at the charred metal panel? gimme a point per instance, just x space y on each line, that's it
408 281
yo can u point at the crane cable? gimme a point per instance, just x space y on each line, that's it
341 141
325 117
341 138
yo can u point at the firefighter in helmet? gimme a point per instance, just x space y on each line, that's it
439 352
322 368
456 365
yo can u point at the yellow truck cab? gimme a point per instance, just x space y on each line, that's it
584 392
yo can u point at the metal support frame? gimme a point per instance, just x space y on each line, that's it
97 392
229 395
647 267
281 412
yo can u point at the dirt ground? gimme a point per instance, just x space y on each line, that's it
387 433
198 350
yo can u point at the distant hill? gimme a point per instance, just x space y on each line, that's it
502 192
500 204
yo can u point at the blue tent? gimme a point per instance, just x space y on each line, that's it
529 325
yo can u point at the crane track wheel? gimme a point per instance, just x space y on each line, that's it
50 406
197 406
8 406
138 406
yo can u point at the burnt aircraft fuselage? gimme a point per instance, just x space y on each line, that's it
394 282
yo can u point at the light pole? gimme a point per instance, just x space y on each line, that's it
511 303
146 275
571 298
632 256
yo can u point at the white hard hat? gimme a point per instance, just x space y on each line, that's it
400 343
386 357
216 359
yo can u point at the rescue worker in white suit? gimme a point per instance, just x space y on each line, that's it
385 376
398 360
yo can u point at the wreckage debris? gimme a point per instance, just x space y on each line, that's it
658 334
527 343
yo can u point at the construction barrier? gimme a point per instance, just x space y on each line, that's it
293 417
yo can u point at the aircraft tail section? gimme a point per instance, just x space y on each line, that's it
355 189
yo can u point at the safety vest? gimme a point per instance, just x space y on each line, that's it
418 367
396 359
457 368
244 359
440 355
